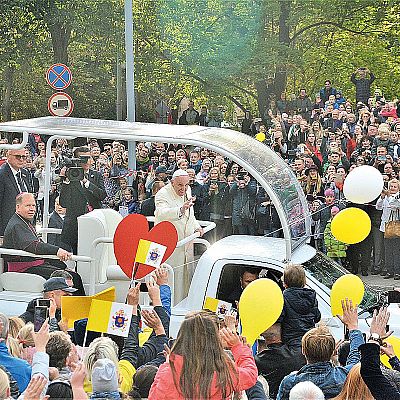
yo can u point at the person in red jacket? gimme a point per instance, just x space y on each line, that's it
198 367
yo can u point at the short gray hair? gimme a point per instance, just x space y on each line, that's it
306 390
4 326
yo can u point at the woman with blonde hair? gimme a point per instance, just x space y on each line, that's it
198 367
354 386
16 324
314 186
317 130
13 347
26 342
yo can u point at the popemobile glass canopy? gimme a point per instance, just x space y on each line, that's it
268 168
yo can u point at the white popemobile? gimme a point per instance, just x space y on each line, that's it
216 273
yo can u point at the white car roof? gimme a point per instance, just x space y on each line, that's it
266 166
258 248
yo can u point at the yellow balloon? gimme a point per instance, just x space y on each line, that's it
351 225
395 342
260 136
260 306
347 286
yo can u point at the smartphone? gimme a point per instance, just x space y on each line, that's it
40 315
43 303
381 158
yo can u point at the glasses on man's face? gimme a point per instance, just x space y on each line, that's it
20 157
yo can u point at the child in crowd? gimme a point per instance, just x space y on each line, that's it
119 194
105 380
323 214
128 204
334 248
300 310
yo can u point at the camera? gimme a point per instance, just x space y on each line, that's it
75 171
241 175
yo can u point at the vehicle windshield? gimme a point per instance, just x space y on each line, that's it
327 272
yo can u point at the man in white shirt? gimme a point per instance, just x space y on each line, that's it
174 203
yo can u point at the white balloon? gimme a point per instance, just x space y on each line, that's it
363 185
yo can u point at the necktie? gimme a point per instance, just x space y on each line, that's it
21 183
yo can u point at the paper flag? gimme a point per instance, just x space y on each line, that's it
109 317
220 307
78 307
150 253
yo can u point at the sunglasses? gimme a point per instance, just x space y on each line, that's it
19 157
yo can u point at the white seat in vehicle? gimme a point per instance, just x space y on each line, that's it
18 289
91 226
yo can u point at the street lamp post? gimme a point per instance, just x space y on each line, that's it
130 80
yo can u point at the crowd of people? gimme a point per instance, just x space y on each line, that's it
294 359
324 140
321 141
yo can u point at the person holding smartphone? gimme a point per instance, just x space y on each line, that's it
53 290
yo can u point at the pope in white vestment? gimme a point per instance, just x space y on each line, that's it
174 203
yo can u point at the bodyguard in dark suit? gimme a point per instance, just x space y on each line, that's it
56 221
80 197
13 180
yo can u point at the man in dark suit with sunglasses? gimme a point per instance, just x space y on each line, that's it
13 180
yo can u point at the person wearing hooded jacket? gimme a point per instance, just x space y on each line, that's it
300 310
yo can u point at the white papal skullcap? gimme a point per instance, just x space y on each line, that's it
179 172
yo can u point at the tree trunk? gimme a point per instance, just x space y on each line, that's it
8 84
284 40
60 35
266 90
262 96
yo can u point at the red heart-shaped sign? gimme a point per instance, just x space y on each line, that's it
126 239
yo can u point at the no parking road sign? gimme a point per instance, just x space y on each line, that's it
59 76
60 104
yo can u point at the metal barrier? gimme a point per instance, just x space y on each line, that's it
49 230
15 252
